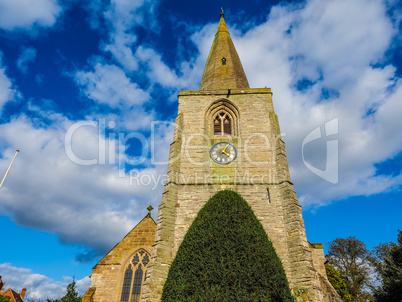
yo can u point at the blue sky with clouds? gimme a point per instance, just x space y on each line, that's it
82 82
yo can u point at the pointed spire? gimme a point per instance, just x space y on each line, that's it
223 69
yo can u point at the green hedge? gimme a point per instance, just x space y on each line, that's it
226 256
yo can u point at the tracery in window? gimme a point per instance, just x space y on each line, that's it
222 124
222 118
132 287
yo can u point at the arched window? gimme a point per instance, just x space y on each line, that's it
222 124
222 119
223 61
132 287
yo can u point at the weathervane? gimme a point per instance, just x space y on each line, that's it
222 11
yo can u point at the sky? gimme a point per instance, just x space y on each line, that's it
88 94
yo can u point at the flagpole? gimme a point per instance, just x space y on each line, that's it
8 170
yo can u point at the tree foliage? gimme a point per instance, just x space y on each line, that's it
226 256
353 261
70 296
380 253
338 283
391 273
4 299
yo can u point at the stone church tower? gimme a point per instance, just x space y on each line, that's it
226 136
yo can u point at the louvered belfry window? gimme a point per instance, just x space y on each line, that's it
222 124
217 126
132 287
227 129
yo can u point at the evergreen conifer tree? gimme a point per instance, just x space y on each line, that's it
391 289
226 256
70 296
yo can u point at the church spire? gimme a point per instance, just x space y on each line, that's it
223 69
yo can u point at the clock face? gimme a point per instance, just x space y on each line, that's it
223 153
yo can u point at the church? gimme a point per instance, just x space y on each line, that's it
226 137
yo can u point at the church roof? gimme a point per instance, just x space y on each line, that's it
223 69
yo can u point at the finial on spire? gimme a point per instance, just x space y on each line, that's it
222 12
150 208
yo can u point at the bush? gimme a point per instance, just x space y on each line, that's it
4 299
338 283
226 256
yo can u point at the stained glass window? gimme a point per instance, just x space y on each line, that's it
132 287
128 275
137 284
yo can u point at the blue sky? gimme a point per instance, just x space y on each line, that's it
83 82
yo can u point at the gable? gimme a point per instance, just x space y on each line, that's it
141 236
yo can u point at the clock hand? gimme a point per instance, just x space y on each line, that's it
224 152
224 149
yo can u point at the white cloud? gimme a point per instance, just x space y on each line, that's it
189 73
7 92
341 36
27 56
333 44
108 84
21 14
47 190
157 71
90 205
121 47
38 286
123 16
